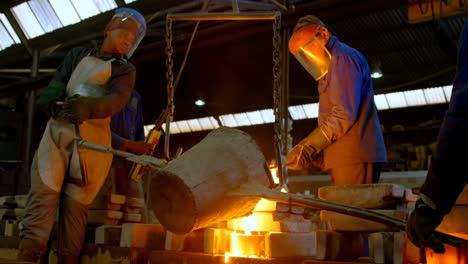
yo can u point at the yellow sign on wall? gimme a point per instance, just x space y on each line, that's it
424 10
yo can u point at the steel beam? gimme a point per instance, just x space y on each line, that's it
223 16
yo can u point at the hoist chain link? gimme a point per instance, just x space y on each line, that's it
170 85
278 139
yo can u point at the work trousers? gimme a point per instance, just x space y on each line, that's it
124 185
359 173
41 214
117 182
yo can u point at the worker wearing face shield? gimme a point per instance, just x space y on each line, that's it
88 87
348 132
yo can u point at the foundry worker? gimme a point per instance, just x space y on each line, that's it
128 134
87 89
447 176
348 132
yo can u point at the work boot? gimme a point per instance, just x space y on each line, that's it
30 251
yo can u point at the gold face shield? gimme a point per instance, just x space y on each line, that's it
310 51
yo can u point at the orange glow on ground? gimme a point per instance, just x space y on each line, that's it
243 243
245 246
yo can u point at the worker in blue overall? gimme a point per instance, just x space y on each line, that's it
348 133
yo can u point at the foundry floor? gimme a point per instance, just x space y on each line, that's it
111 254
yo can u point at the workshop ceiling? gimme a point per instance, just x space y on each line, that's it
230 64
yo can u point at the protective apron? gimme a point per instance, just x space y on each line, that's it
58 154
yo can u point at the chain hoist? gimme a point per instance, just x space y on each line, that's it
170 86
277 111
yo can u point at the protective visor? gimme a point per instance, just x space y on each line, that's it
310 51
129 21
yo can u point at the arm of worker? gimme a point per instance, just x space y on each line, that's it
344 91
139 122
81 108
56 89
445 179
138 147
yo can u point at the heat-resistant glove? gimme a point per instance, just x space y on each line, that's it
422 222
300 157
47 101
305 153
77 109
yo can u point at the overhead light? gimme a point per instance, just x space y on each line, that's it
199 102
376 68
376 74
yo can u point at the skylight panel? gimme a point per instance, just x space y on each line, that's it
267 115
215 122
308 111
297 112
147 129
45 14
415 97
183 126
65 12
6 39
12 37
228 120
396 100
27 20
242 119
434 95
208 123
381 102
255 117
37 17
105 5
173 127
311 110
447 92
85 8
194 125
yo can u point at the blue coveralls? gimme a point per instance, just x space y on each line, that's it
348 117
128 124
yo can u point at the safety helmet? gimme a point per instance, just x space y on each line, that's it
131 20
309 50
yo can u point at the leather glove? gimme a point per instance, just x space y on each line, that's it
47 101
421 224
77 109
300 157
306 152
138 147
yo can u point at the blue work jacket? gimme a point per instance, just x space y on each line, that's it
347 112
127 124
